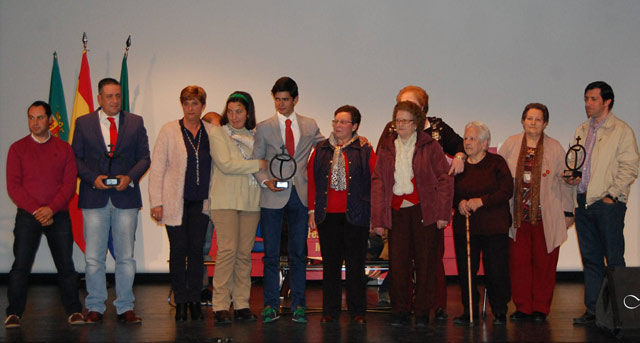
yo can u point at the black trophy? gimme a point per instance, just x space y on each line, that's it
284 158
574 160
111 180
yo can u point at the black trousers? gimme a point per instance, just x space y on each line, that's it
27 233
495 260
342 241
185 257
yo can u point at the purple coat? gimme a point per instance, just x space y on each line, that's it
430 168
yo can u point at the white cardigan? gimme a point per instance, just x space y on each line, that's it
167 173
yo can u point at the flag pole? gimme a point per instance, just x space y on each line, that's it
124 77
84 40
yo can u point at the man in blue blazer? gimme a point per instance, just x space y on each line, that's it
110 144
298 135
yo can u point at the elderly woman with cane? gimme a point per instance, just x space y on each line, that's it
481 196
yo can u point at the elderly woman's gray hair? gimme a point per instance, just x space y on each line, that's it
483 131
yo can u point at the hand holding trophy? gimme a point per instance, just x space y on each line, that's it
574 160
284 158
111 180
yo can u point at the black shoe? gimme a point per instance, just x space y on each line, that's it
205 297
586 318
422 321
222 317
500 319
399 319
539 316
440 314
196 311
181 312
519 316
244 315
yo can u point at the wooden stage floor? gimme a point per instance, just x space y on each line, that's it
44 321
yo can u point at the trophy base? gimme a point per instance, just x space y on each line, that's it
111 182
283 184
572 173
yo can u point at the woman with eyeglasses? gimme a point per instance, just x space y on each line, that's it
411 194
452 145
339 188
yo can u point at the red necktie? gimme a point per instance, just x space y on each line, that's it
113 135
288 134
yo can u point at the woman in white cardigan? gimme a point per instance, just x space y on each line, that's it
235 209
542 210
179 180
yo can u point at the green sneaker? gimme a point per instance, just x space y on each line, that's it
299 316
269 314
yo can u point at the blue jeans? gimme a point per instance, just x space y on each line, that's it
600 236
123 223
271 225
27 233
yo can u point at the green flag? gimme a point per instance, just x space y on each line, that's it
124 83
59 126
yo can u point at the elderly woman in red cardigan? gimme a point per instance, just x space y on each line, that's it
411 194
542 209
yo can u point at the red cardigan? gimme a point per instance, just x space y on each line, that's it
430 170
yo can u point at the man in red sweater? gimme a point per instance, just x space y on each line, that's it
41 179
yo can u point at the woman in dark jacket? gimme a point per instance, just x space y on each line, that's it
339 192
411 193
482 192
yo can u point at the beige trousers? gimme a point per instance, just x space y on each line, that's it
236 233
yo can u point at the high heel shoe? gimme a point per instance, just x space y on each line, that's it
181 312
196 311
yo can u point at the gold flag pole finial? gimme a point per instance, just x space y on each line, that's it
84 40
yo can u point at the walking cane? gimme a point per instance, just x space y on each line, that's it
469 274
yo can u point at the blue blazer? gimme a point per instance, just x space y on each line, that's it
133 159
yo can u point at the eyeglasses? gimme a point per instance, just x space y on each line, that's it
341 122
403 121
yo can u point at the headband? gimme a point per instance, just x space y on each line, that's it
238 95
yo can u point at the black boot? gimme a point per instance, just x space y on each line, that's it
181 312
196 311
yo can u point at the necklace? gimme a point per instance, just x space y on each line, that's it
196 148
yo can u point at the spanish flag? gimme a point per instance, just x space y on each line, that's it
83 104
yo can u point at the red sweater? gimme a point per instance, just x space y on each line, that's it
41 174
